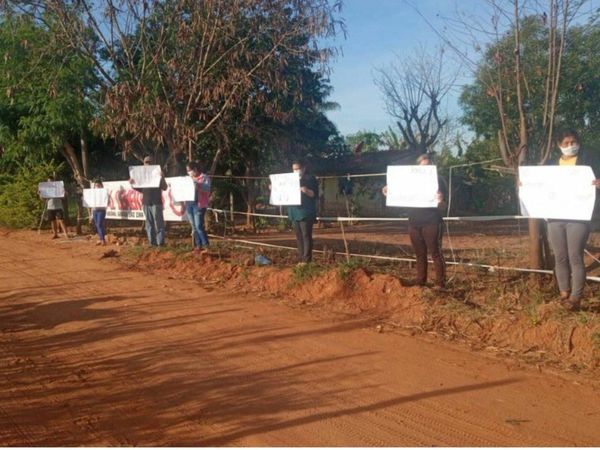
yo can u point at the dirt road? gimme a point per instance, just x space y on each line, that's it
96 355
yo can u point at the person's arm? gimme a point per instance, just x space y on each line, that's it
308 191
163 182
593 163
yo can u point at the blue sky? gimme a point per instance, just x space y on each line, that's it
378 30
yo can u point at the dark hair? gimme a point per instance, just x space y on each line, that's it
195 166
566 132
299 162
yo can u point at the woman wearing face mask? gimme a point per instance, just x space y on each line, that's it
568 237
197 209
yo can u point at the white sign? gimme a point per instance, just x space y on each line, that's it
51 189
145 176
124 202
412 186
183 189
285 189
95 198
557 192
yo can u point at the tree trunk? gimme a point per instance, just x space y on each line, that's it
250 197
68 151
539 250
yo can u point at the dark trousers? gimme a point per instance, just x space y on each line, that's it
304 240
424 239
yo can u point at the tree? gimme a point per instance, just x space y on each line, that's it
46 100
364 141
413 90
520 73
173 70
261 143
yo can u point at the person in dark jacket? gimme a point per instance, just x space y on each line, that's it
303 217
152 206
425 228
568 238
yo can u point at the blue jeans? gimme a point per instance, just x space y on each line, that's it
99 217
155 224
196 218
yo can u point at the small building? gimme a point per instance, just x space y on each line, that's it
343 196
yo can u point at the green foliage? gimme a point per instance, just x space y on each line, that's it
579 87
20 205
347 268
369 141
45 92
477 188
305 272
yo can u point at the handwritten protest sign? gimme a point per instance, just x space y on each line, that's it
95 198
183 189
557 192
145 176
285 189
51 189
412 186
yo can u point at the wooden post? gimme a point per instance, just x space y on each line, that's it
345 241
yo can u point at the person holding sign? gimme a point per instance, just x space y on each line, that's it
55 214
153 208
196 209
425 228
568 238
99 217
303 216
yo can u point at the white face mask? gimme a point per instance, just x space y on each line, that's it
570 151
298 171
191 173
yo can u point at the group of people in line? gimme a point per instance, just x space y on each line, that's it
567 238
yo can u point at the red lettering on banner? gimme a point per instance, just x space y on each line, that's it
178 211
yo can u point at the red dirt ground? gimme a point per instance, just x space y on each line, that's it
95 354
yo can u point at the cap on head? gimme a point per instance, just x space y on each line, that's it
148 160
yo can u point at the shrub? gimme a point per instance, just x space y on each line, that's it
20 205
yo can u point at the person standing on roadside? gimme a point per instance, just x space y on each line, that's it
152 206
425 228
303 216
196 209
568 238
99 217
56 215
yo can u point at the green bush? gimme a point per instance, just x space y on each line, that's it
347 268
20 205
305 272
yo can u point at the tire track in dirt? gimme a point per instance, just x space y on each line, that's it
117 357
